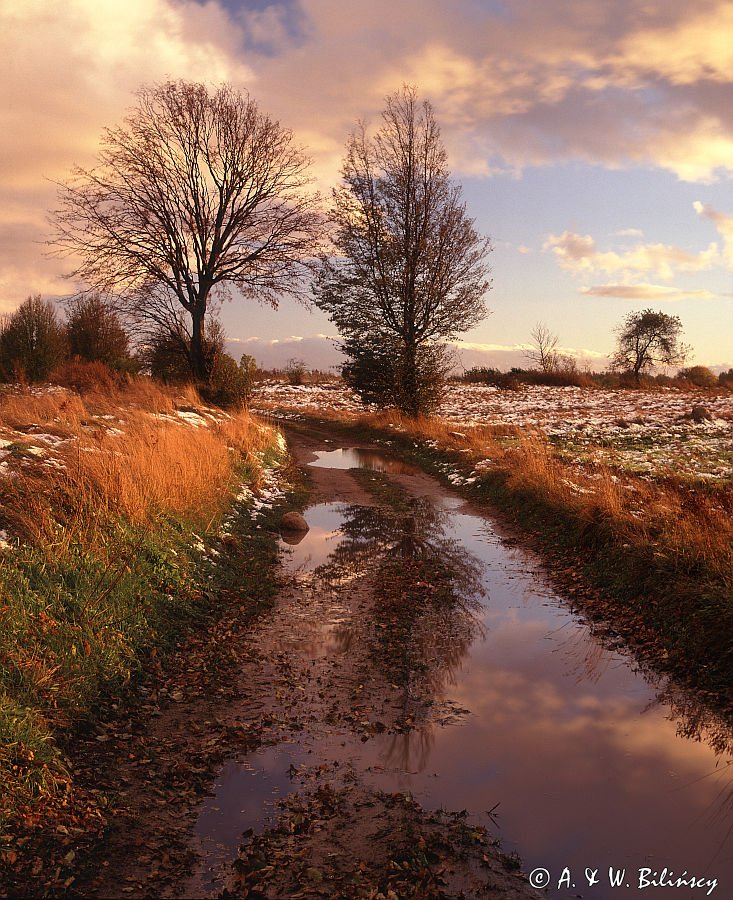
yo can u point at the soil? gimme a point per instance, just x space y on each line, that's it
244 687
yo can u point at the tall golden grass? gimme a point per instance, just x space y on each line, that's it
141 463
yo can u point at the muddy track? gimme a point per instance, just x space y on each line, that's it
381 678
294 677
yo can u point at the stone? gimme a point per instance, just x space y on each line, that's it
293 521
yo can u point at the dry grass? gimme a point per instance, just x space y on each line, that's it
104 523
125 454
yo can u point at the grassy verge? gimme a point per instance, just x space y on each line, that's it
661 549
101 569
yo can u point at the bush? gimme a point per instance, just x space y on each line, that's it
381 373
230 384
295 371
95 333
167 354
32 341
507 381
700 376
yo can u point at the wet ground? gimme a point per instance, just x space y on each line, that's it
491 696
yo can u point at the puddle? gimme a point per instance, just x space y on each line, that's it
586 764
356 458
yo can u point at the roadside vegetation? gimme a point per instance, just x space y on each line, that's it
108 504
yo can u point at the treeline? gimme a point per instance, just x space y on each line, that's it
515 378
91 349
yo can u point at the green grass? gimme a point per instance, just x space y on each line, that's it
78 628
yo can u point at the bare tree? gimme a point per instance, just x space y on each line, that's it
196 191
648 339
544 349
411 269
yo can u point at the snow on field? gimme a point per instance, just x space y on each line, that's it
641 431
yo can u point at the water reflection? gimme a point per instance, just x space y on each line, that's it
592 763
357 458
422 620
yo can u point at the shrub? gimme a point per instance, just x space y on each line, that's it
84 376
295 371
507 381
167 355
382 373
230 384
700 376
32 341
95 333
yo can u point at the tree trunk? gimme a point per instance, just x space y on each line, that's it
410 393
199 362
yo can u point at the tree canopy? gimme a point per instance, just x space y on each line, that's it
409 270
197 190
647 339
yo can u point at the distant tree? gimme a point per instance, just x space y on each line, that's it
544 350
410 270
648 339
196 191
248 373
32 341
95 332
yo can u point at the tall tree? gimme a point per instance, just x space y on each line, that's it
410 269
195 191
647 339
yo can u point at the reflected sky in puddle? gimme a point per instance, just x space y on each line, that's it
356 458
589 766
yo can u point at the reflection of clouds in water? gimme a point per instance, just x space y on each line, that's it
603 745
358 458
563 732
315 545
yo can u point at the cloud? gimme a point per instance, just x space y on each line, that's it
644 292
696 47
617 84
724 224
318 351
578 254
629 232
71 70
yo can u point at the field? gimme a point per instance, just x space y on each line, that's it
648 433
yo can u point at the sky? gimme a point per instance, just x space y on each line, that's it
593 140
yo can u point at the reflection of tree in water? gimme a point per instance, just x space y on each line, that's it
421 622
